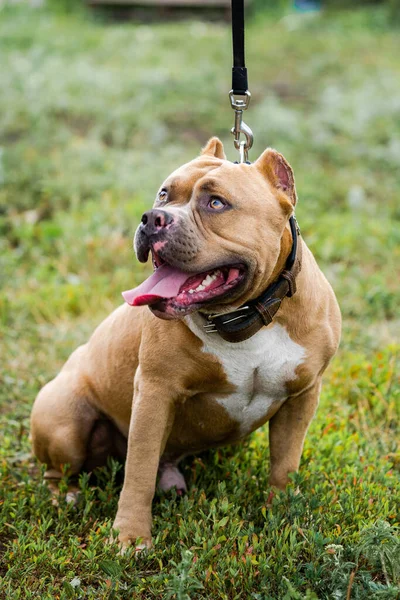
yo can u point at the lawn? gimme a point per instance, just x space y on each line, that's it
93 116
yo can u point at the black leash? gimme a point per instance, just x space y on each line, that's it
239 94
239 71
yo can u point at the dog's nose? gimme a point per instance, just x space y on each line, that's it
154 221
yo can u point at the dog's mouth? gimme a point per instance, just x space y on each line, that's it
173 293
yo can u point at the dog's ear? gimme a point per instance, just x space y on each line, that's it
214 147
278 171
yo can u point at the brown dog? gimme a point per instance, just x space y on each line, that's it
228 342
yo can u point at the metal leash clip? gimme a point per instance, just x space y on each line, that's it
240 103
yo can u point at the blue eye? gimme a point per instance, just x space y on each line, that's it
216 204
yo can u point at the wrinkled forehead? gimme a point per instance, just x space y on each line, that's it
181 182
208 173
242 183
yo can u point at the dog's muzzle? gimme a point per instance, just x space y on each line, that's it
153 227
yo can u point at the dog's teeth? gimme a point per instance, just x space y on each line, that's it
206 282
209 279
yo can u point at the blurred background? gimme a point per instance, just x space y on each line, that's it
100 101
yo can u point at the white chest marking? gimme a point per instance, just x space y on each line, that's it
258 367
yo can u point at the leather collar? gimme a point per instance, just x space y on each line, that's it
242 323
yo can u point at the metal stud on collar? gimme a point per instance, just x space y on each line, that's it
210 327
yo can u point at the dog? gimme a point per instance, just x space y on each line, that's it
234 328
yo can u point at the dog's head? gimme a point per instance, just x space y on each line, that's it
217 233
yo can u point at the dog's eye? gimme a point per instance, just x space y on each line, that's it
162 195
216 204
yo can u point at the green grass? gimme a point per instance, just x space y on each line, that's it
92 117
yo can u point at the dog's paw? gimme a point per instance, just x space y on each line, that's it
71 497
171 477
126 542
127 538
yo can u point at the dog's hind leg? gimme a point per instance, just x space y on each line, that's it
62 421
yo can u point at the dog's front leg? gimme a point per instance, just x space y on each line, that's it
287 430
151 421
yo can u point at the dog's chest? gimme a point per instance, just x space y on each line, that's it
258 368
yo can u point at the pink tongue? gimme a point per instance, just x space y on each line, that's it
164 283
